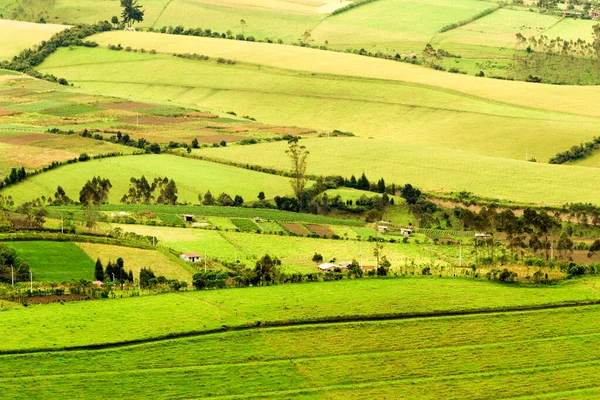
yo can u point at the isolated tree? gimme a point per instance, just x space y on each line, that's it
305 38
132 12
95 191
99 271
261 196
60 197
298 155
238 201
115 21
410 194
195 143
208 200
243 24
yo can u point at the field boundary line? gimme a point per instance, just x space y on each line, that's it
161 12
322 321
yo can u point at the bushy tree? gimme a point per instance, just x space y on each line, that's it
132 12
99 271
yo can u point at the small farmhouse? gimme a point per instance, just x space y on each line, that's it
327 267
188 218
382 229
406 232
190 257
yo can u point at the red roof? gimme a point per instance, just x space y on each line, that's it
192 255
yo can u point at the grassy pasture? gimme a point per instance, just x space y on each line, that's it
485 354
414 21
563 99
422 115
55 261
16 36
150 316
192 177
134 259
433 169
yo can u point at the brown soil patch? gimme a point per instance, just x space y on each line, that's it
296 228
218 138
282 130
15 92
237 129
320 230
26 139
146 120
56 298
127 106
204 115
7 113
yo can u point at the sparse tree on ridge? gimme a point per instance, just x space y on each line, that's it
132 12
298 155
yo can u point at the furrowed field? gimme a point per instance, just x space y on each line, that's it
486 356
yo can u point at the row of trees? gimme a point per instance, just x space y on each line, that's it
223 200
115 272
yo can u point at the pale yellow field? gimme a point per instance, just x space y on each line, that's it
298 6
16 36
581 100
134 259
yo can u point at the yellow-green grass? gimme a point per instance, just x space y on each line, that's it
221 222
387 21
16 36
54 261
403 112
134 259
82 323
192 177
432 169
570 99
570 29
592 161
295 252
526 353
499 29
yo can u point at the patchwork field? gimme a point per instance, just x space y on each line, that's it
193 177
295 252
55 261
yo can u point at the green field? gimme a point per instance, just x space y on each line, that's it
193 177
55 261
432 169
83 323
541 354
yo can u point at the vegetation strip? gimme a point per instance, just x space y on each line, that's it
311 322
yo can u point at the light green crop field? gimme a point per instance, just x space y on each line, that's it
381 109
191 176
84 323
55 261
16 36
563 99
542 354
432 169
135 259
414 21
295 252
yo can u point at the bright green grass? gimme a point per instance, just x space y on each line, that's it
55 261
36 106
16 36
222 222
245 225
494 351
432 169
424 116
270 227
82 323
192 177
387 21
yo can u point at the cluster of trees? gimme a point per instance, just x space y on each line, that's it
11 267
576 152
113 271
15 175
160 191
223 200
35 212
